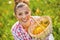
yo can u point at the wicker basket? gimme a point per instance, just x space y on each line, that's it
43 34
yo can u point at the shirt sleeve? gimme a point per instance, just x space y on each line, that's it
14 35
51 37
13 31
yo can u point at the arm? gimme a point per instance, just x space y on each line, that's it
14 35
13 30
49 29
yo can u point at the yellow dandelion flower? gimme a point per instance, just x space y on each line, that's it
5 11
4 35
37 0
1 24
37 11
52 16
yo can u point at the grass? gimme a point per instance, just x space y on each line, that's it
38 7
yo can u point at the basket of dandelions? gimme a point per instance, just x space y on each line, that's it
41 29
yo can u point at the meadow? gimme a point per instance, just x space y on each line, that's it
38 7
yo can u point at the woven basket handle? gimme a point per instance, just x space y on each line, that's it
38 23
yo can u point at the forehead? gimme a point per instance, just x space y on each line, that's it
24 8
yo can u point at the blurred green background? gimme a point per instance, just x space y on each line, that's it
38 7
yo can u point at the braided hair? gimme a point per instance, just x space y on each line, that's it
24 1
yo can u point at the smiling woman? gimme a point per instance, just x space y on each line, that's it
23 14
25 20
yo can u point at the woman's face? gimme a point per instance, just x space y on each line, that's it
23 14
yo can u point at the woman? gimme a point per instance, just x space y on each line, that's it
25 20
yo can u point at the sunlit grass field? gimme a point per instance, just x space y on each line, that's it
38 7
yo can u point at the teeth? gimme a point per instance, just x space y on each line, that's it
24 20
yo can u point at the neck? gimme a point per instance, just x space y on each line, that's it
26 25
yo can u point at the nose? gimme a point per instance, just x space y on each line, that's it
24 16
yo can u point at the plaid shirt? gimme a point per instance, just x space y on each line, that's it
19 33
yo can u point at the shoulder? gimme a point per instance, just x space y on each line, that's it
14 26
36 17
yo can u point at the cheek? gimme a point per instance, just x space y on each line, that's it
28 17
19 17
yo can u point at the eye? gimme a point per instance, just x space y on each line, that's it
26 12
20 13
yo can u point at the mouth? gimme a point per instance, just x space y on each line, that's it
24 21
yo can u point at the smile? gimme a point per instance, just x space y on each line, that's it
24 20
